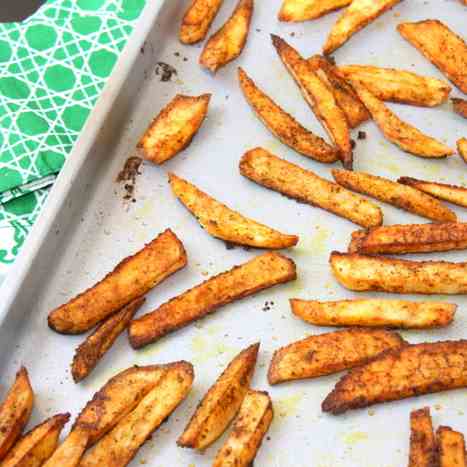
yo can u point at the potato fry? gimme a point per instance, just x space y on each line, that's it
451 447
174 127
422 439
69 453
36 446
283 125
329 353
459 106
304 10
401 196
252 423
378 273
444 48
119 446
354 18
319 97
221 403
389 84
399 373
197 20
96 345
15 411
375 313
304 185
228 42
131 278
462 148
222 222
260 273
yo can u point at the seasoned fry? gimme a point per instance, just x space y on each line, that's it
375 313
252 423
354 18
462 148
389 84
131 278
283 125
378 273
221 403
304 10
260 273
15 411
329 353
401 196
444 48
319 97
228 42
197 20
69 453
304 185
174 127
120 445
422 439
222 222
451 447
400 373
459 106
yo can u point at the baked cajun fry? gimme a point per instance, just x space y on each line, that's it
329 353
401 196
131 278
462 148
228 42
283 125
250 426
197 20
260 273
459 106
451 447
222 222
304 185
422 439
374 312
174 127
383 274
69 453
304 10
221 403
444 48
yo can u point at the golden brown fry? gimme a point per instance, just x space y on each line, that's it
378 273
174 127
131 278
329 353
444 48
120 445
422 439
283 125
459 106
462 148
319 97
221 403
451 447
69 453
401 196
15 411
304 10
304 185
252 423
222 222
197 20
228 42
369 312
260 273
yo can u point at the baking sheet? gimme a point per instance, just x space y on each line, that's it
88 227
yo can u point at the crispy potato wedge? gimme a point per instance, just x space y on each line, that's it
319 97
304 185
222 222
444 48
354 18
399 373
459 106
174 127
120 445
422 439
378 273
252 423
375 313
329 353
260 273
462 148
131 278
401 196
304 10
197 20
228 42
221 403
389 84
36 446
451 447
69 453
15 411
283 125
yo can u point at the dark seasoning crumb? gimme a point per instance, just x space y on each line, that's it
128 175
165 71
361 135
268 305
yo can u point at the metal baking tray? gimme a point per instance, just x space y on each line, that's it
87 227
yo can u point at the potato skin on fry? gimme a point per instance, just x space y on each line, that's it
69 453
304 10
197 20
459 106
462 148
422 439
451 447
